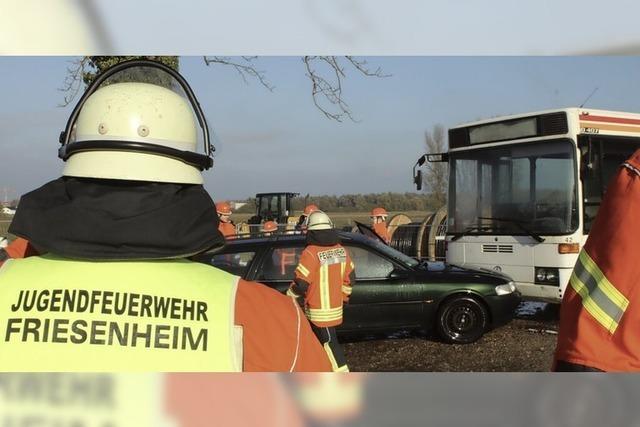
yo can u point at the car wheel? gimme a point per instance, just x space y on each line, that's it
462 320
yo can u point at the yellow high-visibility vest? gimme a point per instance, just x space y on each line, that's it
58 314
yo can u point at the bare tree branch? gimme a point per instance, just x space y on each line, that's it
326 74
330 91
245 69
73 81
327 92
362 66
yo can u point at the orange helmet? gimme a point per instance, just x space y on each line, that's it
269 227
223 208
309 209
379 212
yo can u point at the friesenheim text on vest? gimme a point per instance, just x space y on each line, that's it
120 319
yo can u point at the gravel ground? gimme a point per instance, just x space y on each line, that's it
524 345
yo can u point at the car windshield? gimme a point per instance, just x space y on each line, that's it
389 251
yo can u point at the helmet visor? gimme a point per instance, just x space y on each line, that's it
141 106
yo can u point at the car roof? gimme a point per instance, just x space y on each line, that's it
289 238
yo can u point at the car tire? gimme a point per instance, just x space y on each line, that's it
462 320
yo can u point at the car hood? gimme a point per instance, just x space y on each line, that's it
446 271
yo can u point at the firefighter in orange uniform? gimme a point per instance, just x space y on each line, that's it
379 223
302 221
600 311
324 278
226 226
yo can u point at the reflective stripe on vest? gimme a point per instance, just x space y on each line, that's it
323 315
303 270
600 298
325 295
58 314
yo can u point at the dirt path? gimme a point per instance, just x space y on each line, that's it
524 345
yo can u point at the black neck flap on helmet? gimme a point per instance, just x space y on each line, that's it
197 160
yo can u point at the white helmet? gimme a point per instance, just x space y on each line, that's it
135 131
34 27
319 220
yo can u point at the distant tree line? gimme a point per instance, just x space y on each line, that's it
396 202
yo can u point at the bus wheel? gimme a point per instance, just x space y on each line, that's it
462 320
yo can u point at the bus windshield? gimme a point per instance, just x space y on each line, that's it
514 189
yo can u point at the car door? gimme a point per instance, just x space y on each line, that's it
384 296
381 298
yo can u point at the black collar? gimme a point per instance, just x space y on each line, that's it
118 220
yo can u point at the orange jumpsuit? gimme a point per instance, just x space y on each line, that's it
324 276
227 229
326 271
381 230
600 312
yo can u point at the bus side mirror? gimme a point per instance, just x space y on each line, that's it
417 180
417 175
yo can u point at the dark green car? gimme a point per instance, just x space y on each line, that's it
392 291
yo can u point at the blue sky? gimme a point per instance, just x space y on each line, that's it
278 141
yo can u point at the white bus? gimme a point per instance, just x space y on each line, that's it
525 189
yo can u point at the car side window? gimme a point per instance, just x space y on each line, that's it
280 264
236 263
370 265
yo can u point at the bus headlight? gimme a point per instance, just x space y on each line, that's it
547 276
506 289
